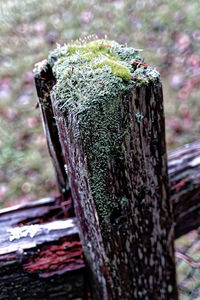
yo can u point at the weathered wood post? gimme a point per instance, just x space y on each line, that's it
109 114
47 257
44 81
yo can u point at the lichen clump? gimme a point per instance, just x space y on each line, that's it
100 68
91 79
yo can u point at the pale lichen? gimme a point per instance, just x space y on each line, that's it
91 80
139 117
83 71
17 233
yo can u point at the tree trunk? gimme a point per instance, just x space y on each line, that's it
120 191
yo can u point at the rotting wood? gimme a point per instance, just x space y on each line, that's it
41 260
183 166
135 239
20 260
107 285
44 81
183 163
40 211
184 178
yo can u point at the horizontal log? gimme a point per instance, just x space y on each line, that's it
184 179
40 253
30 213
41 260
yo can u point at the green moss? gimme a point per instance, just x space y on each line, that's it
91 79
118 69
101 140
100 53
96 47
122 147
89 56
72 49
101 50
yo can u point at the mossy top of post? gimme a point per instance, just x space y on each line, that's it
99 67
91 79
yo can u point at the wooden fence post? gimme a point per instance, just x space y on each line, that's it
115 158
47 257
44 81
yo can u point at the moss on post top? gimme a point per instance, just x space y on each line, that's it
99 69
100 53
91 79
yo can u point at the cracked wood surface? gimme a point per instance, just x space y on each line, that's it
41 256
123 256
44 81
17 255
184 179
109 285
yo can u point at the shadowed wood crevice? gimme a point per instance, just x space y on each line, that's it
44 82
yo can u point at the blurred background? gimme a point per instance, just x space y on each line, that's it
167 31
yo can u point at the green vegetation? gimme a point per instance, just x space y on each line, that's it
90 72
116 68
100 53
90 80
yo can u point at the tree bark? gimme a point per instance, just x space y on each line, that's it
122 201
40 260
